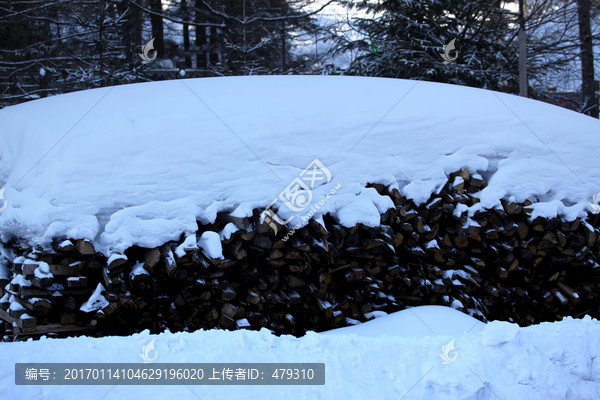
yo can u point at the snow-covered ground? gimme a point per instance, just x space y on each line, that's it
395 357
139 164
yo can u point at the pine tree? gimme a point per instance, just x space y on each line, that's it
257 37
404 39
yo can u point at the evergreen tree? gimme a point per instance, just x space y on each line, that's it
404 39
258 34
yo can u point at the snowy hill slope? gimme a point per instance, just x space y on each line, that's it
384 360
138 164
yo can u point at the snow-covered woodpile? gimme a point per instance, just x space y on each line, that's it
237 273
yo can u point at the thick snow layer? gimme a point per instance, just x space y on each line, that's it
139 164
210 242
499 360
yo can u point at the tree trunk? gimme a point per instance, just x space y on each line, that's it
157 28
200 38
283 37
588 83
132 32
186 34
522 51
100 39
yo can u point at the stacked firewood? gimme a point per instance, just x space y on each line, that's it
495 264
47 289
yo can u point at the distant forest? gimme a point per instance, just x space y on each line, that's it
544 49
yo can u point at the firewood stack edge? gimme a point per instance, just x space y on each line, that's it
497 264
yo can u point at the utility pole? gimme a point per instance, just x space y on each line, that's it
522 51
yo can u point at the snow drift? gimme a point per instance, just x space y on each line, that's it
393 357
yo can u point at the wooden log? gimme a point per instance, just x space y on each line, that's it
458 184
26 322
52 290
560 297
66 246
68 318
35 303
293 281
247 236
42 282
170 264
85 247
77 281
52 328
116 261
230 310
112 281
228 294
152 258
94 264
226 263
476 181
71 269
238 252
570 292
239 221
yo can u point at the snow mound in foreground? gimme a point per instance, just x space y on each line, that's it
415 322
139 164
558 360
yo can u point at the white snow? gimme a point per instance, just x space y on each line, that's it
140 164
393 357
138 269
189 244
416 322
43 271
560 296
361 210
64 244
457 303
460 209
451 273
242 323
228 230
20 280
457 181
96 301
432 244
210 242
14 305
